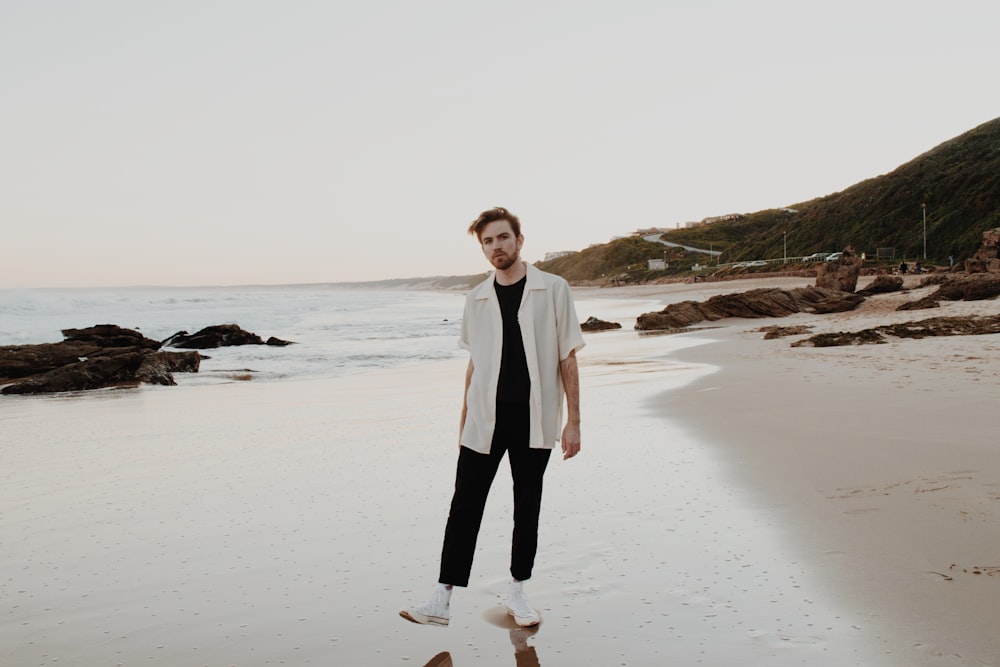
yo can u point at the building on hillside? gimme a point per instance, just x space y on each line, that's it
657 264
720 218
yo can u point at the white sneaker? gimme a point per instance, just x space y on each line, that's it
518 607
434 611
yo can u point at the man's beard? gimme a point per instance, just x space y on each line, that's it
503 262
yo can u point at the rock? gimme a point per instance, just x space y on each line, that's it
883 284
772 332
158 367
987 258
838 303
957 287
277 342
866 337
840 274
594 324
18 361
110 335
104 355
219 335
96 373
764 302
935 326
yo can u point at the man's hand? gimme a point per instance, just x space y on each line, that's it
570 441
571 385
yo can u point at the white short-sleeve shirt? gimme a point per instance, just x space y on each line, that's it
550 331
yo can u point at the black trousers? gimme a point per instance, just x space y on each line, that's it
472 485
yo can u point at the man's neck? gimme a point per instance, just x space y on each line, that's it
510 276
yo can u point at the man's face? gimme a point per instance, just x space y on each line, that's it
500 245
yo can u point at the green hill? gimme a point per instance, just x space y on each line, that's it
958 181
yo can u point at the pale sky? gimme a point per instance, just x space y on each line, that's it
244 142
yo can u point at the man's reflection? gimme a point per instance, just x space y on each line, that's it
524 655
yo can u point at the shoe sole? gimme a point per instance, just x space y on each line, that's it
421 619
524 623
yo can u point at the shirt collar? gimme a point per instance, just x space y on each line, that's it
535 280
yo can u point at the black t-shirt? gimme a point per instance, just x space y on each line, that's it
514 385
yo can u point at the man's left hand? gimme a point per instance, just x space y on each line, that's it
570 441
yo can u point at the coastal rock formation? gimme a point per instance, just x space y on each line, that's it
935 326
883 284
594 324
957 287
108 368
219 335
109 335
987 258
842 273
101 356
764 302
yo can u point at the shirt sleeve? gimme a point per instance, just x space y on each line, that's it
567 324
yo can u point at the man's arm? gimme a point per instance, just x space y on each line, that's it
570 374
465 402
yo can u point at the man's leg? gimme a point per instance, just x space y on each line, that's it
527 468
473 479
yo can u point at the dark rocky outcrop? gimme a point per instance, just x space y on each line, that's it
957 287
594 324
277 342
765 302
883 284
109 335
219 335
159 367
102 371
935 326
842 273
104 355
772 332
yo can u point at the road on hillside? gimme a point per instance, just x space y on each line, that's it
655 238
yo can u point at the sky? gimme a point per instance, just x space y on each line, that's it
246 142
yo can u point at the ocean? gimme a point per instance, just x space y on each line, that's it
337 330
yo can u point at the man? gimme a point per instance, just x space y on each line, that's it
522 333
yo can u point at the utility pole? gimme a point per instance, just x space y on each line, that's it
924 206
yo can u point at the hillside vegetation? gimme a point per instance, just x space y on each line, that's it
958 181
626 256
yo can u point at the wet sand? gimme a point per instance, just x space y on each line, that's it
736 501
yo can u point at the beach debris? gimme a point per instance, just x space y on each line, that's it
936 326
219 335
840 274
758 303
594 324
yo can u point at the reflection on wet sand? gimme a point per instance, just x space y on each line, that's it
524 655
442 659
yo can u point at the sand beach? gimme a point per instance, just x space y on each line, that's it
737 501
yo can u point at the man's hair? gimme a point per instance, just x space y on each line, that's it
492 215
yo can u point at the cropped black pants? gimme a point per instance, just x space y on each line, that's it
473 479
